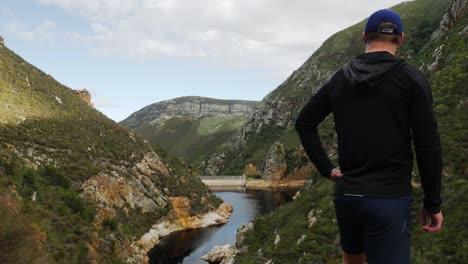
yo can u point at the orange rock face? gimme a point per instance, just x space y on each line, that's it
250 169
84 95
180 210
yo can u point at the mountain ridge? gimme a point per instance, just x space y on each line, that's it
190 127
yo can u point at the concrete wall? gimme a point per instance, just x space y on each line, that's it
223 180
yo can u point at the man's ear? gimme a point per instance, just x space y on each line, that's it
400 39
364 37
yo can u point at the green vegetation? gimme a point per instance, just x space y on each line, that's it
178 127
420 18
186 183
191 138
58 210
448 80
217 124
51 142
20 242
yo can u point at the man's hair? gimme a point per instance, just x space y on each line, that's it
384 37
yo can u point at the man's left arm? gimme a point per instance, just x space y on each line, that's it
313 113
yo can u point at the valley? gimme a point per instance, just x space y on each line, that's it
77 187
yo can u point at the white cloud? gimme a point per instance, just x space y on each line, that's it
274 35
43 31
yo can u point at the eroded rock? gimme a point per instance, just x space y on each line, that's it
220 255
275 163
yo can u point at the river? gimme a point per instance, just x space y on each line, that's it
188 246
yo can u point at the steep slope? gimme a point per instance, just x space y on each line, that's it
311 235
274 118
90 186
190 127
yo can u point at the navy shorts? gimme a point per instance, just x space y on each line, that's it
378 227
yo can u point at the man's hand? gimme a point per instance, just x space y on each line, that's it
335 174
435 221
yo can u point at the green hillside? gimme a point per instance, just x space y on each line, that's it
81 186
420 19
190 127
443 56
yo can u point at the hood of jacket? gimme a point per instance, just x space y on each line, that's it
369 70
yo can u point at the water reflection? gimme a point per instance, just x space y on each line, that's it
188 246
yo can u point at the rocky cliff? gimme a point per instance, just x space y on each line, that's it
91 186
190 127
436 42
189 106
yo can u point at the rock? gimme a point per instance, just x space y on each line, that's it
456 10
136 252
297 195
189 106
34 197
275 163
277 240
2 41
118 192
300 240
240 236
215 165
312 217
220 254
250 169
271 185
464 31
84 95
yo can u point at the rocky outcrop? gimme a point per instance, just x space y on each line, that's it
456 10
190 106
215 165
139 192
226 254
2 41
84 95
136 253
250 169
240 236
220 255
269 185
275 164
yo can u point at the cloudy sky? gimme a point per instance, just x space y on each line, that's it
130 53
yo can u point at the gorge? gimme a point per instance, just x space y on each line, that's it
76 187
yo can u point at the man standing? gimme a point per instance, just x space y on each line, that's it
380 105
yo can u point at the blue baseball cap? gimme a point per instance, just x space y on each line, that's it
382 16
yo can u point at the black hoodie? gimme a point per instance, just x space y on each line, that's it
380 105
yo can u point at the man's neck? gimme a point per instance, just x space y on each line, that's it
381 46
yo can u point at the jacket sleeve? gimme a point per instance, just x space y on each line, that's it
307 122
426 142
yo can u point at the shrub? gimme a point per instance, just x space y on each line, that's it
18 243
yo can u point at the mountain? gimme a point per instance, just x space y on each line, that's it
436 42
76 187
190 127
274 117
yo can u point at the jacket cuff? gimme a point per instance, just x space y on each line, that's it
432 206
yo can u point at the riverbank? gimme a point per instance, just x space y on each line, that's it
176 220
268 185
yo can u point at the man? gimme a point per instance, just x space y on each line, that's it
380 105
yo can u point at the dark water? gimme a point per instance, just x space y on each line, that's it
188 246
